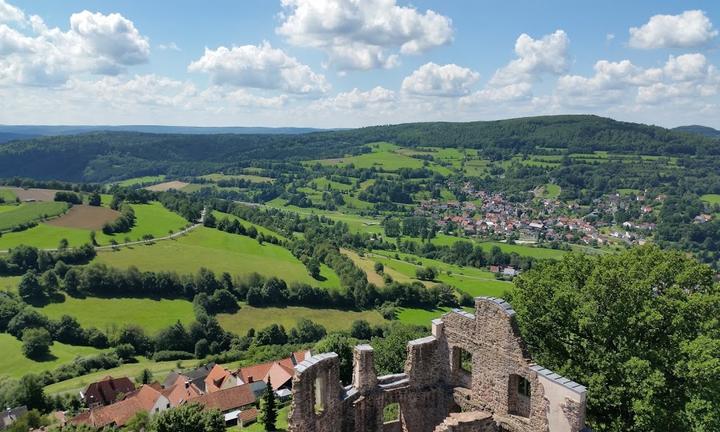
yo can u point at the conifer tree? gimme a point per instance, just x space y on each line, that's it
268 408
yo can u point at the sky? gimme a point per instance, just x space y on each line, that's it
352 63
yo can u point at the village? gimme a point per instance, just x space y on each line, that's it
116 401
614 219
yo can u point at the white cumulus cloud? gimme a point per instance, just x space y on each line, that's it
358 100
535 57
95 43
689 29
432 79
259 66
363 34
10 13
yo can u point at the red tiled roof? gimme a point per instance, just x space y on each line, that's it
226 399
121 412
214 380
106 390
248 415
280 371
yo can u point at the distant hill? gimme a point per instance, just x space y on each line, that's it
700 130
10 136
43 130
114 155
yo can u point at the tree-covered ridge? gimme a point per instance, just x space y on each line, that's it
103 156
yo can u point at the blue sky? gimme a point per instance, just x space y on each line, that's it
344 63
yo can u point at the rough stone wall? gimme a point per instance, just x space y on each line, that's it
434 384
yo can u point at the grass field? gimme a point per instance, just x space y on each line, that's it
711 198
45 236
9 283
385 156
524 250
108 313
474 281
220 252
14 364
281 425
159 370
333 319
421 317
141 180
7 195
215 177
151 219
551 191
166 186
356 223
261 229
30 212
323 184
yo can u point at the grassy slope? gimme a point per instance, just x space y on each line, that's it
220 252
13 363
261 229
9 283
159 370
711 198
151 219
7 195
29 212
106 313
250 317
141 180
281 425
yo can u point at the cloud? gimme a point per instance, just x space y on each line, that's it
508 93
449 80
95 43
260 66
363 34
689 29
172 46
10 13
688 75
535 57
356 99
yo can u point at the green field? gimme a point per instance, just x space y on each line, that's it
141 180
474 281
333 319
215 177
45 236
711 198
551 191
524 250
29 212
323 184
159 370
281 425
260 229
220 252
108 313
356 223
384 156
15 364
420 317
7 195
152 219
9 283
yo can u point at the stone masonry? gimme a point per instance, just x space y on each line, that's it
472 374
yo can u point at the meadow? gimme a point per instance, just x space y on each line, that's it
216 177
14 364
711 198
30 212
7 195
220 252
333 319
141 180
110 313
151 219
385 156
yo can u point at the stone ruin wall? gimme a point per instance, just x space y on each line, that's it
435 387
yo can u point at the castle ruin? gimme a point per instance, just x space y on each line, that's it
472 374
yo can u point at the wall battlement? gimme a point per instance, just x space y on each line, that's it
476 364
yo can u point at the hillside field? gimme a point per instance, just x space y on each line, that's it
333 319
220 252
108 313
14 364
29 212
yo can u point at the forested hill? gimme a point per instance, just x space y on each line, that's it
700 130
102 156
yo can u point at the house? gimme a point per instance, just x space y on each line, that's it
106 391
180 391
10 415
509 271
280 372
195 376
494 269
147 398
220 378
236 403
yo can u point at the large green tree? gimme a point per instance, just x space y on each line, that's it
640 329
188 418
